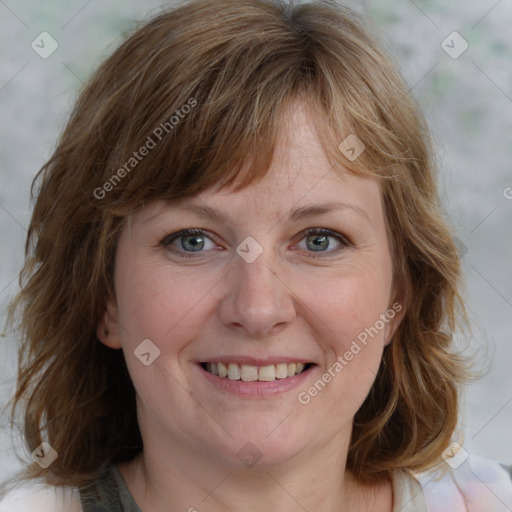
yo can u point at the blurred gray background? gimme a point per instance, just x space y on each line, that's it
467 97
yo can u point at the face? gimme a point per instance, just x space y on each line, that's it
270 284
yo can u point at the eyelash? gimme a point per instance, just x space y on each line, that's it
344 242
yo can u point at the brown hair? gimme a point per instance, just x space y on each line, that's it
237 65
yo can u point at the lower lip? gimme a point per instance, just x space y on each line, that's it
256 388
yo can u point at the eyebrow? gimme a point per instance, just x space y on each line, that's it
294 215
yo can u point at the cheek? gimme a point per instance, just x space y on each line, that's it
348 313
165 306
349 305
359 306
157 301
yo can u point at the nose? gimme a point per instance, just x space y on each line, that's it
257 299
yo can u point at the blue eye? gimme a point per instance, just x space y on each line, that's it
318 240
193 241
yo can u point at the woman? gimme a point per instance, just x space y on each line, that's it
239 290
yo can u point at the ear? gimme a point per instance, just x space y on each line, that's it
107 330
395 314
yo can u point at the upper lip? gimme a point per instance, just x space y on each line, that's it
256 361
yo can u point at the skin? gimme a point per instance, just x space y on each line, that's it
286 302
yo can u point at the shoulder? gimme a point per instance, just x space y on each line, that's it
39 497
469 484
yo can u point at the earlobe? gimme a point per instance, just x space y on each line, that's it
107 329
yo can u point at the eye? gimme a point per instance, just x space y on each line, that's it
187 242
319 240
190 243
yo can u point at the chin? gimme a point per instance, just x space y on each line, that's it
251 449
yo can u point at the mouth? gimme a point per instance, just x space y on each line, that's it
252 373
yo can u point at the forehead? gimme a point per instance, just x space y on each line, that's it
300 159
300 175
301 171
299 155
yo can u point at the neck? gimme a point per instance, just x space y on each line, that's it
184 479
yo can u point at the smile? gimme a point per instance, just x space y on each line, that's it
250 373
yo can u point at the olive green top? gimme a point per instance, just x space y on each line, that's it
109 493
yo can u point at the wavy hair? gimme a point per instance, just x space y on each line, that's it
237 65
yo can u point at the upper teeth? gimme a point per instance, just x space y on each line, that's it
250 373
